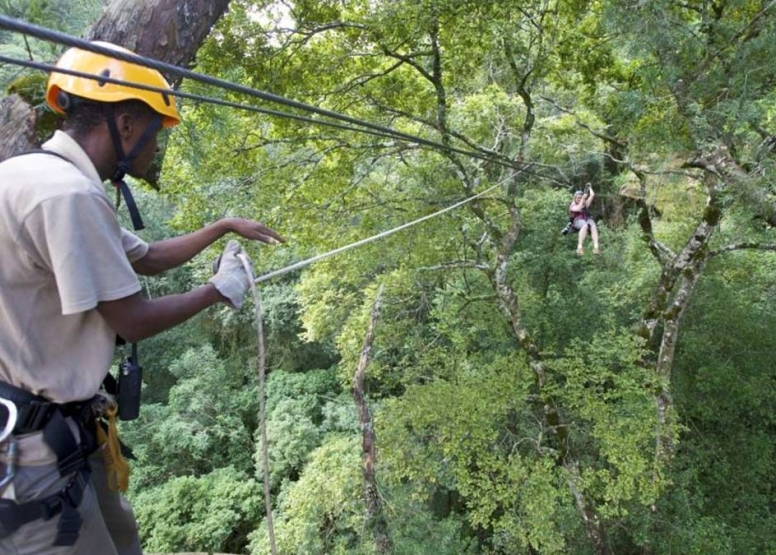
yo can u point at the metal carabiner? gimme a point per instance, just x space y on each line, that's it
6 436
10 423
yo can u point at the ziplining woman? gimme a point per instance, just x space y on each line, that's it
582 220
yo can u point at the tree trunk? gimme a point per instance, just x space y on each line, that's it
375 520
17 126
553 421
168 30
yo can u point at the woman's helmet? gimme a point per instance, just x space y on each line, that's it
84 61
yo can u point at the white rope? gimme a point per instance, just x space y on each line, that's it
262 401
318 258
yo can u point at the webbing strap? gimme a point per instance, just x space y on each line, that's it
66 501
39 413
70 455
129 200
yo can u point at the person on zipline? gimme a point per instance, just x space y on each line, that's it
69 291
581 219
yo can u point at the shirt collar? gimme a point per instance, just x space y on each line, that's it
65 145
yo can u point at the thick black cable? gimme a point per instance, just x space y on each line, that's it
50 35
191 96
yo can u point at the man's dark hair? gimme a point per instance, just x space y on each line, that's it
83 116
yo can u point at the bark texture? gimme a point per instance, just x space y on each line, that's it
168 30
17 126
375 519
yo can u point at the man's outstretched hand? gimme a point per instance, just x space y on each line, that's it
253 230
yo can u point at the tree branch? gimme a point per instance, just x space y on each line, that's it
375 520
742 246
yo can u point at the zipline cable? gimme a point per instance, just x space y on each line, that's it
51 35
191 96
323 256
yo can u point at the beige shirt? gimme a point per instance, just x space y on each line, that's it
62 251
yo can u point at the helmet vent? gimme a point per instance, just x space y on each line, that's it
166 98
104 73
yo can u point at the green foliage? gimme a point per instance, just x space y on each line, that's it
294 436
213 512
727 393
206 424
321 512
301 408
417 528
611 392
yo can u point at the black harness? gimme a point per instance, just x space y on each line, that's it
37 414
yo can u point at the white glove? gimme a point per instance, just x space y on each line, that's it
231 279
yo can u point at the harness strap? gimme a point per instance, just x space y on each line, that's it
66 501
35 413
43 151
122 189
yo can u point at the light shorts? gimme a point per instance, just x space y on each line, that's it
579 222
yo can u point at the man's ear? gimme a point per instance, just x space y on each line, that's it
125 123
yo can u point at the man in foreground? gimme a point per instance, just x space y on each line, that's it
69 287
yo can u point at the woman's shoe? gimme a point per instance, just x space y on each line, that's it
580 250
596 251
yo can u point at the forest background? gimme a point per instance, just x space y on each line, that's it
523 399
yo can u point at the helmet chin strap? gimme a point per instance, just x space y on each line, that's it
124 162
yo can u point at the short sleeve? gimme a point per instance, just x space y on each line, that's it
78 238
134 247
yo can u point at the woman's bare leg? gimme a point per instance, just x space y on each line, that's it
594 235
581 240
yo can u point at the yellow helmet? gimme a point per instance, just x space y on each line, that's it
84 61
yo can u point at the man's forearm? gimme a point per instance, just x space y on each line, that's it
135 318
171 253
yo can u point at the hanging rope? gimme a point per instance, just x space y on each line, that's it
262 401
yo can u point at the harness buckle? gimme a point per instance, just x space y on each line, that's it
73 492
73 462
